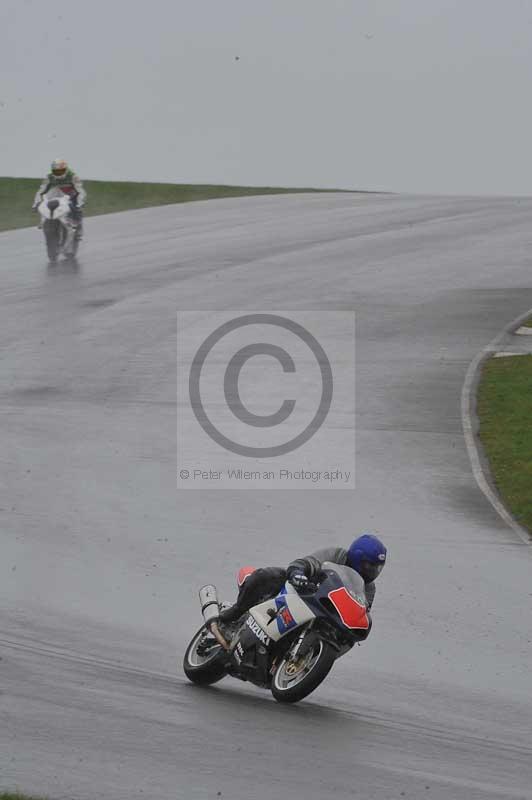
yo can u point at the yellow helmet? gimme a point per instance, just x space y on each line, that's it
59 167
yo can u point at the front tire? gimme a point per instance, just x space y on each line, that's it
53 244
207 667
293 681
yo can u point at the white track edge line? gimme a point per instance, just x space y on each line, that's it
470 427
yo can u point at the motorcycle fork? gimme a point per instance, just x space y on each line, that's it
294 651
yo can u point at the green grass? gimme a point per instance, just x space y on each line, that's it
528 323
17 796
104 197
505 413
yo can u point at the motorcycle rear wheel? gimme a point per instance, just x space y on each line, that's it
204 669
293 681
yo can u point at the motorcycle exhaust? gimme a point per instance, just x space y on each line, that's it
210 608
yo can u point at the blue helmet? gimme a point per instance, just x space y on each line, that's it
367 556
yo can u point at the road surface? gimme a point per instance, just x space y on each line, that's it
101 556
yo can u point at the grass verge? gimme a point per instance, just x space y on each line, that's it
104 197
17 796
505 414
528 323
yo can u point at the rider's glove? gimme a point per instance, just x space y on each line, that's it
298 580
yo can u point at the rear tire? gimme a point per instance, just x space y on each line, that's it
292 682
204 670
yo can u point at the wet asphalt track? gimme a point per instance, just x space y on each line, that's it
101 557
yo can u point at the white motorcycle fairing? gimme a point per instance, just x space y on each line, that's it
59 229
59 211
281 614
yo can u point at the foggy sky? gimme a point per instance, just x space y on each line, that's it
405 95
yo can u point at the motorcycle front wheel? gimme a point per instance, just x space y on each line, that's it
52 236
204 659
295 679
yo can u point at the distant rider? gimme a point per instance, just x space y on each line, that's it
63 180
366 555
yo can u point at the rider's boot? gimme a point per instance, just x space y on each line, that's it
76 218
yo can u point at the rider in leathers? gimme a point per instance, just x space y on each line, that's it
63 180
366 555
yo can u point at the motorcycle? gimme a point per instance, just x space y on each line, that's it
287 644
60 231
